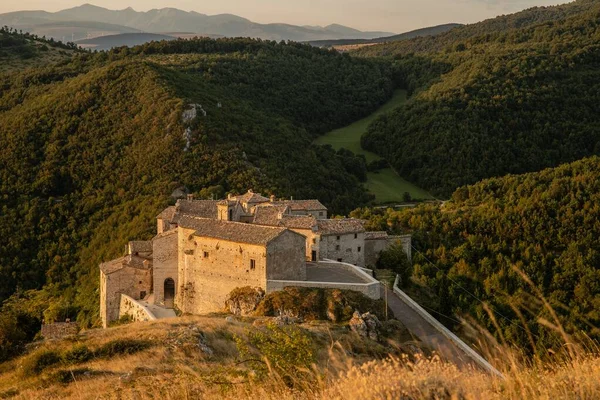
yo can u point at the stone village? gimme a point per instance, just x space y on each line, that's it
204 249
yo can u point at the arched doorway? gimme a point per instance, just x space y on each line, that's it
169 293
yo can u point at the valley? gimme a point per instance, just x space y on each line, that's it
385 184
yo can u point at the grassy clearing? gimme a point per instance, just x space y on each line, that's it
349 136
386 185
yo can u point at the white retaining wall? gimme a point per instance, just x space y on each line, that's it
472 354
137 311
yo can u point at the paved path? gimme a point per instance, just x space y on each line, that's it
425 332
316 273
158 311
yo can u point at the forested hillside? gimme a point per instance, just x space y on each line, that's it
510 95
92 148
18 50
470 252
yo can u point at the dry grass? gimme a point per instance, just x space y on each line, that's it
173 372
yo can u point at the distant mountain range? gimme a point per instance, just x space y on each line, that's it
88 21
431 31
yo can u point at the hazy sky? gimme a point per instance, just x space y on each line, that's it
389 15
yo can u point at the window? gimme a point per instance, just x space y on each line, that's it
337 246
359 249
338 238
320 213
206 254
339 260
356 236
252 264
314 241
142 295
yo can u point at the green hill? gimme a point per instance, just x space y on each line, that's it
18 51
509 101
91 149
469 251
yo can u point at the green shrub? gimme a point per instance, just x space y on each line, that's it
78 354
122 346
287 350
318 304
395 259
39 361
67 375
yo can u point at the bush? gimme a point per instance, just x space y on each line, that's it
78 354
318 304
395 259
287 350
39 361
66 376
122 346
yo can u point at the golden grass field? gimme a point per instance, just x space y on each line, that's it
346 368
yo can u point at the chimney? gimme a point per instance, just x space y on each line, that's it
190 196
272 198
229 196
291 198
280 215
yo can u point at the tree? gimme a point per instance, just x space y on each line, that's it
395 259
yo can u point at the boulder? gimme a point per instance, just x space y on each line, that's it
365 325
243 301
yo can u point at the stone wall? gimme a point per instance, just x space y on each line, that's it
349 248
205 280
286 257
134 309
164 263
133 282
59 330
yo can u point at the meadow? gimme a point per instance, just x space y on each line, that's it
386 185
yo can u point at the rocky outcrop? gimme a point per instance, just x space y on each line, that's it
243 301
365 325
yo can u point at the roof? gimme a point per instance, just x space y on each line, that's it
130 261
197 208
231 231
298 221
276 216
268 214
376 235
140 246
251 197
167 214
307 205
340 226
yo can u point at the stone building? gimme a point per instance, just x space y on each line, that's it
206 248
130 275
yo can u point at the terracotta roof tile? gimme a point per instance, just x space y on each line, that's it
167 214
376 235
231 231
197 208
268 214
251 197
127 261
303 205
299 221
340 226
